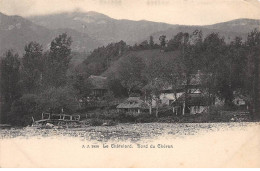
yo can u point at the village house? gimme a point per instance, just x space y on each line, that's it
185 98
188 98
168 96
191 103
133 105
99 86
193 98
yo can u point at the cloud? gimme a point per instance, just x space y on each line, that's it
196 12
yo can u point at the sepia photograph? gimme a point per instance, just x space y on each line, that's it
129 83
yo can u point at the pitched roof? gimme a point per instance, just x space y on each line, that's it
98 82
196 81
193 99
133 102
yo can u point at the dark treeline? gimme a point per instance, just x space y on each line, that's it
233 67
43 81
36 82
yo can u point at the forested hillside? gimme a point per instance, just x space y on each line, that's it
47 79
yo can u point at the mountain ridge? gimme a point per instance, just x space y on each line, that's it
90 30
16 32
106 29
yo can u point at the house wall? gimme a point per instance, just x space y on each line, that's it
98 92
238 101
198 109
166 98
194 90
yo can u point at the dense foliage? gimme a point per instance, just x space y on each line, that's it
47 81
37 82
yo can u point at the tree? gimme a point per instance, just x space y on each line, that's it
116 87
109 97
10 77
151 42
196 38
252 72
213 56
81 85
144 45
179 40
235 62
162 73
130 71
58 61
59 99
153 92
32 67
172 73
162 39
24 108
101 58
175 42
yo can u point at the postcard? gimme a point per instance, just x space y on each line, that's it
130 83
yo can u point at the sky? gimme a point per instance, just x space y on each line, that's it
187 12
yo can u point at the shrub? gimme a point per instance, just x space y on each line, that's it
124 118
32 105
58 98
23 109
145 118
96 122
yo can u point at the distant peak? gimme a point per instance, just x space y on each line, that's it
2 14
81 12
92 14
241 21
11 16
76 13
